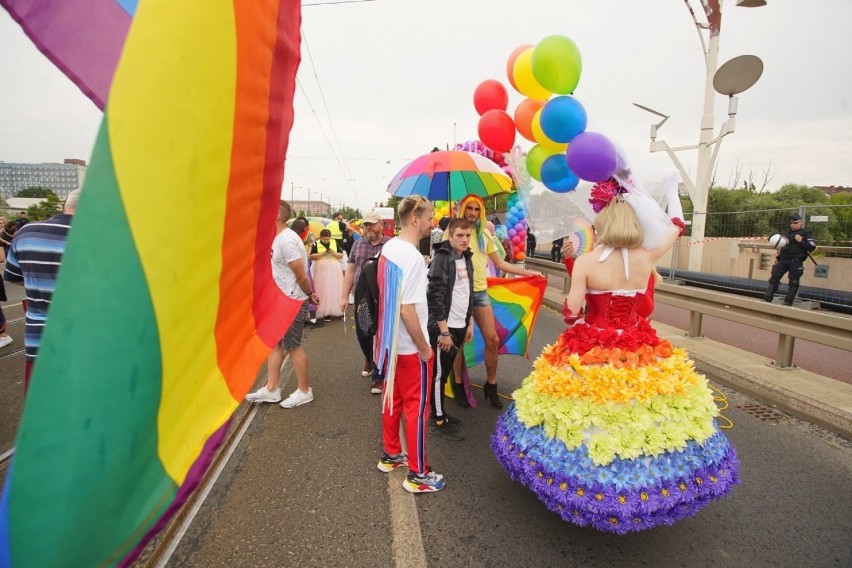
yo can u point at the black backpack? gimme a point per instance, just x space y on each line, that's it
367 297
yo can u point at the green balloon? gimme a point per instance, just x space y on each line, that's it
536 157
556 64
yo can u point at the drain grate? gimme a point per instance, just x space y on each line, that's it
763 412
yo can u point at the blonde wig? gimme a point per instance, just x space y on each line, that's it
617 225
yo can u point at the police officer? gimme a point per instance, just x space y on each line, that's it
791 259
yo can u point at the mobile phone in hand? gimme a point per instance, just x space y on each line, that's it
452 351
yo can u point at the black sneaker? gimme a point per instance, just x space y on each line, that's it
449 418
446 430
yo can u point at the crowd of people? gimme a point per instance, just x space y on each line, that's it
427 306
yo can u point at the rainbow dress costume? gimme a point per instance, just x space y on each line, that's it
614 428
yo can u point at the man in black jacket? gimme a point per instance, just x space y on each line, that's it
790 260
450 298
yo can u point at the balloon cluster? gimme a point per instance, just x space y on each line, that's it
516 223
547 75
442 209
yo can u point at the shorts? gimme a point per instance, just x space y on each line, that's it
293 338
481 299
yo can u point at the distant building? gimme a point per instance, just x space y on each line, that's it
311 208
17 204
62 179
832 189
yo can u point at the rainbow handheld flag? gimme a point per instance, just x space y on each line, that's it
158 325
515 302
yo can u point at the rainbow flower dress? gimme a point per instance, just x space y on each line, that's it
614 428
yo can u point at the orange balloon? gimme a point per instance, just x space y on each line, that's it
524 116
510 64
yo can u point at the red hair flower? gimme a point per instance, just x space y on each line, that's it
603 192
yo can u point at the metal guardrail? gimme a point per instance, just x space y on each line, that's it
819 327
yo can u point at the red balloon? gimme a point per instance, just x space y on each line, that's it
497 130
490 95
510 64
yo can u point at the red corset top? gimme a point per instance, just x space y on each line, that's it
618 311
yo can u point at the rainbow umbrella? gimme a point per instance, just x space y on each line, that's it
317 224
449 176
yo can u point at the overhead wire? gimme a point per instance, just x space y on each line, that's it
338 154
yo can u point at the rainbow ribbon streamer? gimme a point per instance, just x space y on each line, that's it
515 302
159 324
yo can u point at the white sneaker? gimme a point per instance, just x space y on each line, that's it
263 394
5 340
298 398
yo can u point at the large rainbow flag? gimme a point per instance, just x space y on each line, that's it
515 302
159 322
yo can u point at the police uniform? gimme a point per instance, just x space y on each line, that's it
791 260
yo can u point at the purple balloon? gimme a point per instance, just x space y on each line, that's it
519 227
592 156
512 232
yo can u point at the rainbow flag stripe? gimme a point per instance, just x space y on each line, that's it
516 302
83 38
161 317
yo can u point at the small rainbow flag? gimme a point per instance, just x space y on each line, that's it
515 302
159 322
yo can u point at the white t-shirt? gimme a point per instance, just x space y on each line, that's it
461 296
286 248
407 258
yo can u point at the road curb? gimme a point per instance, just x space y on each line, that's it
792 402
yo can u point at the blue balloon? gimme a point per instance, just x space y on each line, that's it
556 176
563 118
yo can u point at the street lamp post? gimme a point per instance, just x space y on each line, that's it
732 78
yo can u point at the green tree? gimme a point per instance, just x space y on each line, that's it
35 192
46 209
840 218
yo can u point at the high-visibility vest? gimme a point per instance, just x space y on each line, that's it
334 227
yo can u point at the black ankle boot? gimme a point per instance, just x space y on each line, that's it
792 290
459 394
770 292
491 395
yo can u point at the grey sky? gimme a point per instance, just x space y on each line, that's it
397 75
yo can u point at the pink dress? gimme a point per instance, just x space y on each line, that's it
328 284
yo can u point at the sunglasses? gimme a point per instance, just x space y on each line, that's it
420 202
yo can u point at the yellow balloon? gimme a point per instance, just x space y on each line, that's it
542 138
524 79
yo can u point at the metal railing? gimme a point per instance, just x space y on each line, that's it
819 327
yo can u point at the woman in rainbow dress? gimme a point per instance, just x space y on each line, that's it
614 428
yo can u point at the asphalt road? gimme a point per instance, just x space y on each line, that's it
302 489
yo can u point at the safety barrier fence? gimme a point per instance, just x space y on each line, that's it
820 327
